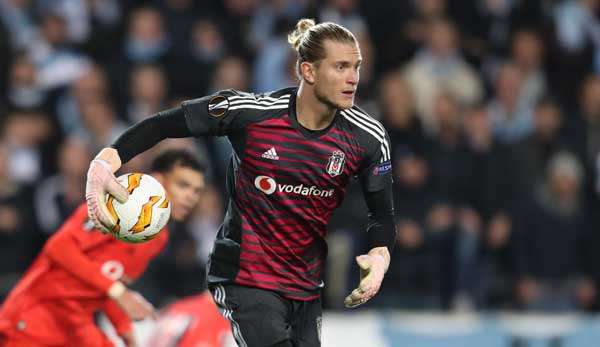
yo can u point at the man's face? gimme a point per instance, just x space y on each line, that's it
184 187
337 75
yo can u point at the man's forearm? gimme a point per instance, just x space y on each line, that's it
147 133
381 227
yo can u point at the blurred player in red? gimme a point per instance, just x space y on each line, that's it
192 322
81 271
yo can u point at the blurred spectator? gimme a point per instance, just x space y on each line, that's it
439 66
205 222
25 134
235 16
101 127
230 72
271 16
275 63
57 65
412 33
532 154
23 90
440 226
511 114
17 241
489 24
447 154
92 86
585 131
399 115
344 12
147 41
414 274
148 90
575 40
203 51
486 192
57 196
179 16
207 44
15 15
80 15
489 167
412 188
551 230
527 57
455 225
412 281
497 264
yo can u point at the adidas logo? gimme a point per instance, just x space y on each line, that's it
270 154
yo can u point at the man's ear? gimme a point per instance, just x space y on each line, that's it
308 72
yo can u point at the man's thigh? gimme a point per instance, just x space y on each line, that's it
259 318
306 323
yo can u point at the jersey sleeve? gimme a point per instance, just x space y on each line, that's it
376 171
376 181
117 317
215 114
64 250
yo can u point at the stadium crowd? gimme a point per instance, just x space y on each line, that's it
492 106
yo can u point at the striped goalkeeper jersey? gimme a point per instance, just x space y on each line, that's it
284 181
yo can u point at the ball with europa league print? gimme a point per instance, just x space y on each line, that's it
142 217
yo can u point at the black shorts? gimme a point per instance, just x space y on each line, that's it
263 318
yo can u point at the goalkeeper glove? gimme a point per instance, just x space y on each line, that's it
372 270
101 180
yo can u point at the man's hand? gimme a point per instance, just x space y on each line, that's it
131 302
101 180
372 269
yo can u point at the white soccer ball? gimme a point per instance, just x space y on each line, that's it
145 213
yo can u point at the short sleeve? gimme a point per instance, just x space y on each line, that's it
211 115
376 172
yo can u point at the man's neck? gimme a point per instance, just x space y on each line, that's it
311 113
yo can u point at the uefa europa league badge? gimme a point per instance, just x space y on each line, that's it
335 165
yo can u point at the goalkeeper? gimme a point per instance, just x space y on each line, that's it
295 151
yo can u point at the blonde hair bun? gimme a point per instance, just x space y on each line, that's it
295 37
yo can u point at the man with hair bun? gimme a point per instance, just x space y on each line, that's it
266 267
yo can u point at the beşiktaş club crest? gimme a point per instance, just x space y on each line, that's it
335 165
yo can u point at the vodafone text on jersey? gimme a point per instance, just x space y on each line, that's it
268 186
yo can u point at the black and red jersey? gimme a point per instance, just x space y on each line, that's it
284 181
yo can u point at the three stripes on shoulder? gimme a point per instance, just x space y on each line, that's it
264 103
372 127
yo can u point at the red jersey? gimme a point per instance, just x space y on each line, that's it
69 280
191 322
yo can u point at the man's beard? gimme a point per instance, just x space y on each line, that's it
325 100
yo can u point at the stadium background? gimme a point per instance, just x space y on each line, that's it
493 108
